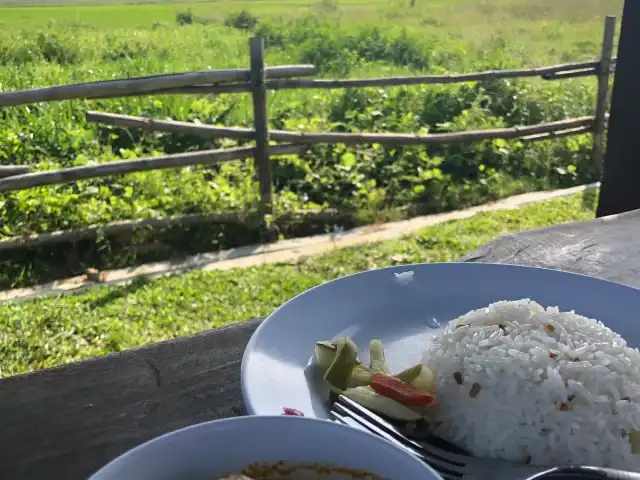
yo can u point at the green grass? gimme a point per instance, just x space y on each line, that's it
140 15
544 29
52 331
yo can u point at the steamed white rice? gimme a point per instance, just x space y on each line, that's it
551 387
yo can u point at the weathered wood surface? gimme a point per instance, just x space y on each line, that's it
64 423
607 247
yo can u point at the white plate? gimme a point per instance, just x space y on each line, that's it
209 450
276 368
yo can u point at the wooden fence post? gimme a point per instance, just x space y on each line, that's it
260 124
602 99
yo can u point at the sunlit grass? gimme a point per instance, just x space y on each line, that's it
52 331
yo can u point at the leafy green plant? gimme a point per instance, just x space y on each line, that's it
242 20
184 17
372 181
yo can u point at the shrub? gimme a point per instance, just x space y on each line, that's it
242 20
184 17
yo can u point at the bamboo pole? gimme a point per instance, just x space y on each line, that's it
602 99
218 89
433 79
435 138
584 72
72 174
143 85
261 124
170 126
205 82
346 138
10 170
552 72
130 226
115 228
559 134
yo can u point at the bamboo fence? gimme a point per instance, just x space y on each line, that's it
170 126
258 80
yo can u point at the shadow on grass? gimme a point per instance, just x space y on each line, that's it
590 199
114 294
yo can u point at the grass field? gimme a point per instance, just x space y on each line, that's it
47 45
52 331
547 29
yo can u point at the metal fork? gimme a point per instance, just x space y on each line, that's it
447 459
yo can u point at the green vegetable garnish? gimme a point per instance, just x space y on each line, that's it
410 374
325 353
425 381
360 376
377 363
339 372
366 397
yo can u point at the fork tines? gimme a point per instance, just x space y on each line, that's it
448 463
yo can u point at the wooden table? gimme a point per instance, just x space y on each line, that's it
64 423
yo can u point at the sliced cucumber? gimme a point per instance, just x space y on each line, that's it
425 381
377 362
366 397
325 353
410 374
339 372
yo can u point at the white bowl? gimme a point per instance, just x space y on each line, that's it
212 449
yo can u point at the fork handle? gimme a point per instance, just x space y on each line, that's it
586 473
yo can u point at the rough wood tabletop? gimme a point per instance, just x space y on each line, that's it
67 422
607 247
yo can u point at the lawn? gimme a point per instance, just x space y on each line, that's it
51 331
47 45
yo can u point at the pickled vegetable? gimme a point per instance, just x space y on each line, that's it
410 374
366 397
377 363
405 396
325 353
425 381
401 392
361 376
339 372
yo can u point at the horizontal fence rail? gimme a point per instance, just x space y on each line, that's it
345 138
178 160
142 85
202 83
554 72
10 170
188 220
258 80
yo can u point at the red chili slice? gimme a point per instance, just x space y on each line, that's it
292 412
401 392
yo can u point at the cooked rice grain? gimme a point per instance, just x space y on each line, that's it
553 387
